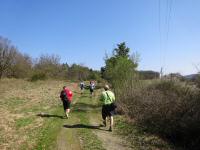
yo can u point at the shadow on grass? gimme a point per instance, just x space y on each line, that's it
83 107
49 115
85 96
84 126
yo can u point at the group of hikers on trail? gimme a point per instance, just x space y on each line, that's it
107 99
91 87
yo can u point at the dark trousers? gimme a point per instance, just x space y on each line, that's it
107 110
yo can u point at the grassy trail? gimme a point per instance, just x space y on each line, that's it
86 123
31 117
84 126
76 132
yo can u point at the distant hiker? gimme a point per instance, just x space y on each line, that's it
91 86
66 97
82 85
108 108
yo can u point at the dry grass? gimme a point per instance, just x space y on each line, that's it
20 102
167 108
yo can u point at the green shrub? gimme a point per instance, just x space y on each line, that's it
38 76
167 108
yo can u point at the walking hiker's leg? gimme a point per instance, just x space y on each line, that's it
111 123
103 113
81 90
105 121
91 92
67 112
65 108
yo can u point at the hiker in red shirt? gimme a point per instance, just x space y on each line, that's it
66 97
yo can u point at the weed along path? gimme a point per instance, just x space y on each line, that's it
83 129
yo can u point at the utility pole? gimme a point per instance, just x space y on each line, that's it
161 73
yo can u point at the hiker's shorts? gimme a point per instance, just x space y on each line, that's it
66 104
91 90
107 110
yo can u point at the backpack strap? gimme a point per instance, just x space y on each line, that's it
108 97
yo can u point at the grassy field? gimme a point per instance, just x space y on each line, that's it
31 117
21 102
22 126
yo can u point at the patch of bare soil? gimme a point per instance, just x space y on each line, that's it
110 140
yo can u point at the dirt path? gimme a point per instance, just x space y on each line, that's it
110 140
68 138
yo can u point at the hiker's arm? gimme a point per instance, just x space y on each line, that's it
62 95
113 97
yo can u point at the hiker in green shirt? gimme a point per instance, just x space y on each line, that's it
108 108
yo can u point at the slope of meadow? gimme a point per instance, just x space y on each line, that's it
31 117
20 102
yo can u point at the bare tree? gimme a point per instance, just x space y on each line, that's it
21 66
49 65
7 54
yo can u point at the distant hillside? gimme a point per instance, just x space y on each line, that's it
148 74
191 76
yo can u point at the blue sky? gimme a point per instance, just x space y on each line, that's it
82 31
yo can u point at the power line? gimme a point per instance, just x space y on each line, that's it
196 66
168 20
164 37
160 37
159 26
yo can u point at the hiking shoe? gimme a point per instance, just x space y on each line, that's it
104 123
110 129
